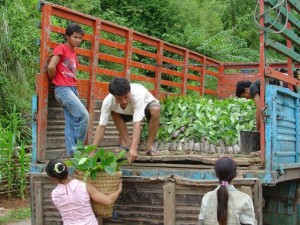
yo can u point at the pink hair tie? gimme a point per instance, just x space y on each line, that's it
224 183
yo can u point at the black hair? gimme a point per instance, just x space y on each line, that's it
297 73
72 28
241 86
57 168
225 169
119 86
282 70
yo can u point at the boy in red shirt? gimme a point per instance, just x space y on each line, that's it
62 73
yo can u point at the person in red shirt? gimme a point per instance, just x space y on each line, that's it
62 73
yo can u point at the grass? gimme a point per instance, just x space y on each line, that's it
15 215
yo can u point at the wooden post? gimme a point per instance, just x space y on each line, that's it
92 78
159 69
169 203
38 202
185 72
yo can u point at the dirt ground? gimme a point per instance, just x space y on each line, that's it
13 203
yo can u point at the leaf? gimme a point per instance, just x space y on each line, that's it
121 154
111 169
89 148
93 174
69 163
86 175
82 161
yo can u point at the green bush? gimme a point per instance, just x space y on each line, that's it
14 159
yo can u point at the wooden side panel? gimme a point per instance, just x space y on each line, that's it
141 202
55 141
42 209
145 200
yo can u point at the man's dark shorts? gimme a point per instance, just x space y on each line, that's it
129 118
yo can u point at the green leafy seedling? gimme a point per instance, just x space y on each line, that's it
102 160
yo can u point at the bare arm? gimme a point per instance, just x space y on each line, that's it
99 134
101 198
258 114
135 141
52 66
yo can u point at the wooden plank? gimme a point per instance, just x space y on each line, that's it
169 203
38 202
247 190
283 50
144 53
174 49
111 58
193 88
72 15
111 43
142 66
241 159
143 38
113 28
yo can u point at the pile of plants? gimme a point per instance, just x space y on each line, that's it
186 119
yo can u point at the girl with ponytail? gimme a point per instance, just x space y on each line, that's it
226 205
72 197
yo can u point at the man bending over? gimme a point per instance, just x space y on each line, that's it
129 102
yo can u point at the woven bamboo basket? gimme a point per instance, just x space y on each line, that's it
106 184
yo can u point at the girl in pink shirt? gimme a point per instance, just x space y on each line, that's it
72 197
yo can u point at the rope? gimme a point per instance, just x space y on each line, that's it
276 7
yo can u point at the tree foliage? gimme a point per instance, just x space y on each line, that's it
18 54
223 30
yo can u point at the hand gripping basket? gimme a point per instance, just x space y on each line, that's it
106 184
